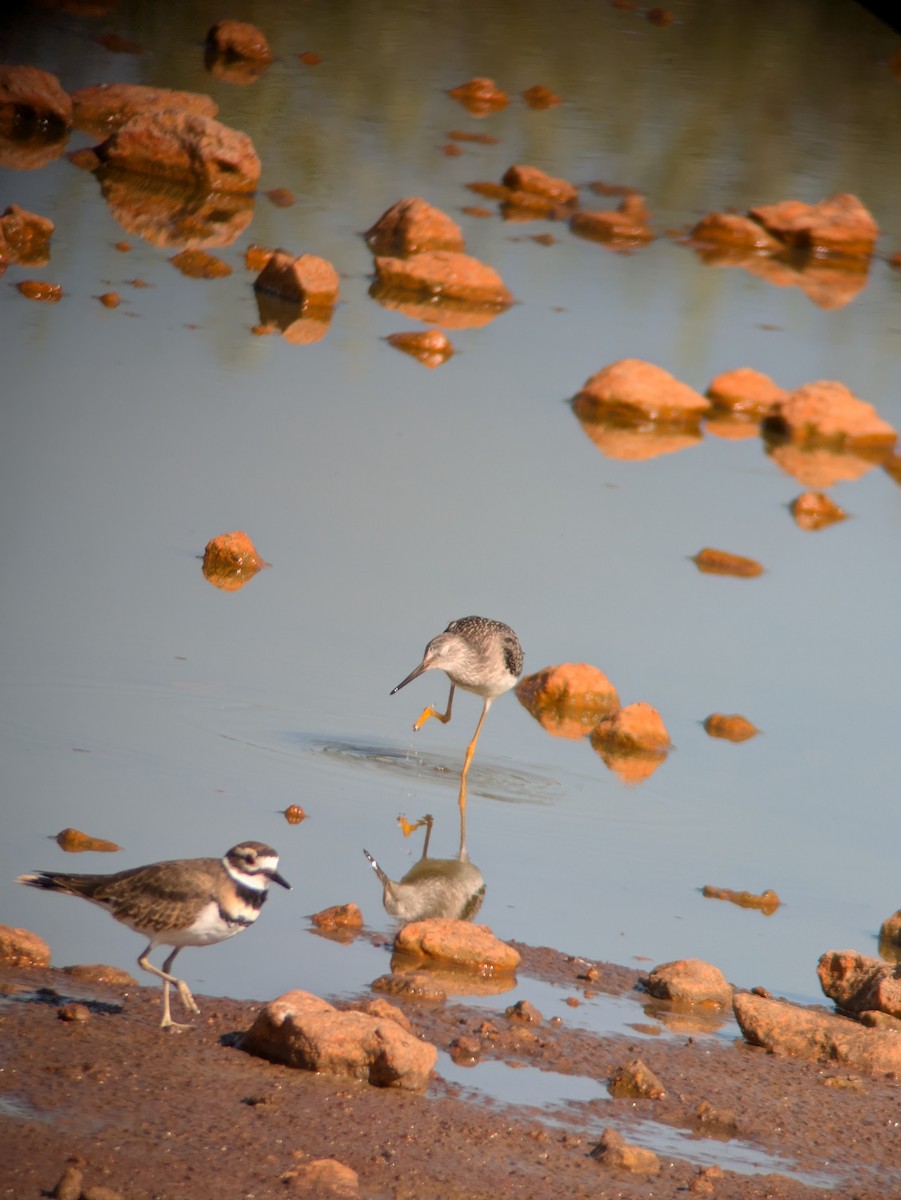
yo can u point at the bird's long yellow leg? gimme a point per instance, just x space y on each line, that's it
470 751
184 991
428 713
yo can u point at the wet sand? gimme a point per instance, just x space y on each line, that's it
190 1116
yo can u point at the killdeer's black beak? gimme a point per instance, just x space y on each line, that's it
413 675
276 878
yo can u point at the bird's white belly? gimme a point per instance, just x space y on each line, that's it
207 928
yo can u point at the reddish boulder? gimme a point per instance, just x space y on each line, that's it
22 948
858 983
303 1031
26 236
430 346
633 390
722 562
458 943
308 281
480 96
338 917
731 726
690 980
568 700
636 729
745 392
411 226
535 182
615 1152
628 224
185 148
829 412
840 225
106 106
232 39
784 1028
445 274
731 231
32 102
814 510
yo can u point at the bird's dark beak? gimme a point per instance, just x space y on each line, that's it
383 878
413 675
276 878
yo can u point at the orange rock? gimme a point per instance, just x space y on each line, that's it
110 299
629 223
323 1177
22 948
690 980
303 1031
197 264
829 412
310 58
538 96
568 700
232 39
637 729
859 983
445 274
733 231
338 916
520 178
411 226
105 106
614 1152
294 814
449 941
635 1080
745 391
766 901
256 257
230 560
814 510
186 148
26 235
721 562
890 937
281 197
33 103
73 841
309 281
431 347
784 1028
733 728
480 96
632 390
840 225
38 289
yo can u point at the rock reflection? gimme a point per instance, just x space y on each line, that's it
168 214
433 887
630 442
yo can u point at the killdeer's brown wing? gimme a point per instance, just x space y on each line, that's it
161 896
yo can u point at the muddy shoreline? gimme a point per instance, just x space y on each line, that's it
190 1116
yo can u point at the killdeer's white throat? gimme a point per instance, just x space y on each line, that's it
185 902
478 655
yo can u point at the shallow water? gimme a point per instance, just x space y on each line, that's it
141 704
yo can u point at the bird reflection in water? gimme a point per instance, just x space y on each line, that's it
433 887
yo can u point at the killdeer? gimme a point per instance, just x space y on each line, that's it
185 902
478 655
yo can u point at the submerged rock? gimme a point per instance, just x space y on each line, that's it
480 96
430 346
535 182
303 1031
411 226
731 726
629 224
568 700
814 510
197 264
767 902
230 560
828 412
633 390
444 274
690 980
186 148
635 729
840 225
73 841
539 96
40 289
723 562
25 236
745 392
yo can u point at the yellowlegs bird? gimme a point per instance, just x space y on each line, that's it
478 655
433 887
185 902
